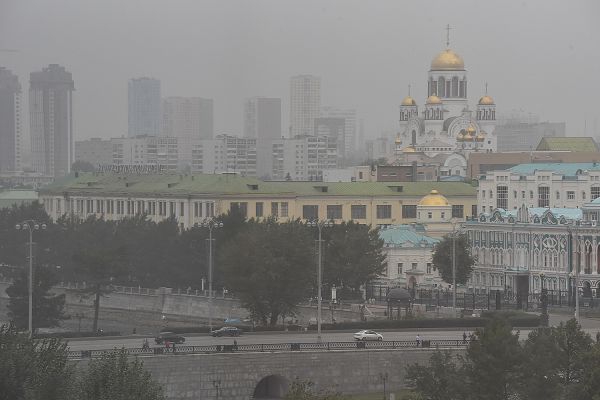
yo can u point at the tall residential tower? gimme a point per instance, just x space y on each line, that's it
305 103
144 107
262 118
188 117
51 120
10 121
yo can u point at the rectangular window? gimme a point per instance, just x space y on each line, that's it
413 266
429 215
334 212
358 212
429 268
570 195
458 211
400 265
595 193
502 197
310 212
241 206
275 209
284 209
523 194
544 196
384 211
259 209
474 210
409 211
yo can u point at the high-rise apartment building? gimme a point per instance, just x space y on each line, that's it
349 116
262 118
10 121
96 151
51 120
144 107
190 117
305 103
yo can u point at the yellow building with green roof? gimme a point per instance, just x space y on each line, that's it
191 198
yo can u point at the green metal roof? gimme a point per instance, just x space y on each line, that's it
172 185
568 169
568 144
399 235
8 198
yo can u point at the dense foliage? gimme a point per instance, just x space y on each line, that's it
270 266
464 260
552 363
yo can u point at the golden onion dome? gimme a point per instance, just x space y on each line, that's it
433 99
460 137
398 141
434 198
486 101
481 136
447 60
409 149
471 130
409 101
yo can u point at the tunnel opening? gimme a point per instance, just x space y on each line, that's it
271 387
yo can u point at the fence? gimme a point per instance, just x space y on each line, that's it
272 347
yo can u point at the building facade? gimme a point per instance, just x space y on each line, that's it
187 117
518 134
96 151
262 118
350 129
190 198
51 120
10 122
549 185
305 104
144 102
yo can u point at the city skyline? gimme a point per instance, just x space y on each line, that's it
370 72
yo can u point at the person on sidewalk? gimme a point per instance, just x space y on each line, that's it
418 339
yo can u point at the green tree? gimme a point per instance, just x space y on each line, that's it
588 385
115 377
493 362
48 308
573 343
269 268
442 379
539 370
82 166
352 255
442 258
33 369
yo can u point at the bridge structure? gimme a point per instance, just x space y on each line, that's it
265 371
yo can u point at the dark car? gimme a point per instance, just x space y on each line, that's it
169 337
227 331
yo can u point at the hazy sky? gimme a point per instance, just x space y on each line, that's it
539 56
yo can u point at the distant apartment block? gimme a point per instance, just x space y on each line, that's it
517 135
262 118
303 158
51 120
305 104
334 128
190 117
350 129
10 122
144 102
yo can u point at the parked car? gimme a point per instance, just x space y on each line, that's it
227 331
368 335
169 337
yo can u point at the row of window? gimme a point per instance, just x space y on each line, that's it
413 267
543 195
133 207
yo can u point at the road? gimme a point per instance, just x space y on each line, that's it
267 337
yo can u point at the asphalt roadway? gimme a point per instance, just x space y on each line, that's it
589 325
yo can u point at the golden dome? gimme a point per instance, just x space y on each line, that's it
433 99
460 137
398 141
434 198
471 130
486 100
481 136
409 101
409 149
447 60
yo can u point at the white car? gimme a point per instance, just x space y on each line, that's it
368 335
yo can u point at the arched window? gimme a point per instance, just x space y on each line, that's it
463 89
455 86
441 87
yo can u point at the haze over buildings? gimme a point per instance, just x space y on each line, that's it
144 107
10 121
305 104
190 117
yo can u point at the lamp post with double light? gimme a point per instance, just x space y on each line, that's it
31 226
210 224
320 224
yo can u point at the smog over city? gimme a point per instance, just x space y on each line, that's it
299 200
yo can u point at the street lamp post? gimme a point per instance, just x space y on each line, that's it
453 221
211 224
578 261
31 226
319 224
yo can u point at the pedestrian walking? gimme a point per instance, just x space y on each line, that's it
418 339
173 346
464 337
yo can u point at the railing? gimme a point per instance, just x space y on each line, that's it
275 347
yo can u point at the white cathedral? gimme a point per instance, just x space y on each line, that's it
446 125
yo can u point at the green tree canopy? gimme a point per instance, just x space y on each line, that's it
442 379
442 258
269 268
48 308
